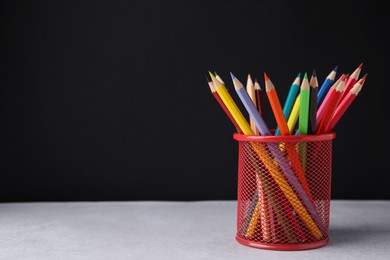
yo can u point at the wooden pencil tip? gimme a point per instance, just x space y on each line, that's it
299 75
360 66
211 74
232 76
265 76
362 80
336 68
256 81
314 73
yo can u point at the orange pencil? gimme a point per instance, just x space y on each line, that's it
331 106
275 105
282 124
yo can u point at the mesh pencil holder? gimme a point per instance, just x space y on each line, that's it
284 185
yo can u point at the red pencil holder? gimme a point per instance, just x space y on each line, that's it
284 185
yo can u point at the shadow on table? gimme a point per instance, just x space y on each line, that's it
339 236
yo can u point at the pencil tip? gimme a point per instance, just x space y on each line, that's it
215 73
343 77
363 79
305 75
299 75
256 81
265 76
314 73
232 76
360 66
211 74
208 79
336 68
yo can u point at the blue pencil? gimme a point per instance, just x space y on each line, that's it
292 95
326 85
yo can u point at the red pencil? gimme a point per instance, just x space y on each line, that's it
346 102
351 81
215 94
331 106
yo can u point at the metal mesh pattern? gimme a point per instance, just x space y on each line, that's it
284 192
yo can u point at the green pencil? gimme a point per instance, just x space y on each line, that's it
304 107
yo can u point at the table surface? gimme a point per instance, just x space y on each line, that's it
174 230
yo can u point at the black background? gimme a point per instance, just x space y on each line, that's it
107 100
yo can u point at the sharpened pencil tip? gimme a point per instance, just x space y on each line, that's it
265 76
336 68
232 76
215 73
360 66
211 74
299 75
305 76
256 80
314 73
362 80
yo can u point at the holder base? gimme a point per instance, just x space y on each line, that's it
283 247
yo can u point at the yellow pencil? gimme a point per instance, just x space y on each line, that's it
293 118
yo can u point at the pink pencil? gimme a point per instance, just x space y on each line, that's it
321 109
351 81
346 102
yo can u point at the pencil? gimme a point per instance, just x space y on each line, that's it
326 85
231 105
259 99
277 110
313 103
321 109
331 106
275 105
291 96
250 107
293 118
346 102
304 108
220 102
351 81
250 89
219 78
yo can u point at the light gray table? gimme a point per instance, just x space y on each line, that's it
174 231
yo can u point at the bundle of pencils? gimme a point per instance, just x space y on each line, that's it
317 110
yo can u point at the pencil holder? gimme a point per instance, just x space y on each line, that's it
284 185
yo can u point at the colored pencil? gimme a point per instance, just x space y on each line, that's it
220 102
291 96
259 99
313 103
231 105
351 81
293 118
326 85
331 106
278 113
321 109
219 78
250 107
275 105
250 89
304 108
346 102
